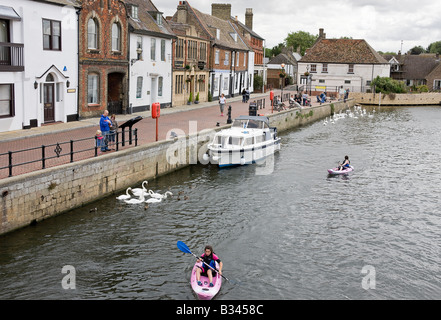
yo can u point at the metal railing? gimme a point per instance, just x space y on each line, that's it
59 153
11 56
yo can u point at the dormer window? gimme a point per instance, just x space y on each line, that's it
217 34
234 36
159 19
134 12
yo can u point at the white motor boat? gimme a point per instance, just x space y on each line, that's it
249 139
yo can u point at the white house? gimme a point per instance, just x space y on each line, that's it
150 56
38 63
332 63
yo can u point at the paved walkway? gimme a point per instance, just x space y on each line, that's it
205 115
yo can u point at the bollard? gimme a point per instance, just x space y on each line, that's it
229 120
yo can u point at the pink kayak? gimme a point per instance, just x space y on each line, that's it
336 171
205 292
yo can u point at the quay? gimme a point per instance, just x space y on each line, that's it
43 193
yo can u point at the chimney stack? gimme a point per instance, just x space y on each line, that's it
182 12
221 11
322 34
249 18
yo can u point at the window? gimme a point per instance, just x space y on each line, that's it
92 34
179 84
227 59
244 58
180 48
139 87
351 68
116 37
436 84
321 81
225 83
237 58
160 84
162 50
92 88
159 19
203 51
347 81
192 49
134 12
218 34
51 35
313 68
153 49
216 57
325 68
201 83
7 108
139 48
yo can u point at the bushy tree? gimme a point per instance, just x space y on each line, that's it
387 85
300 39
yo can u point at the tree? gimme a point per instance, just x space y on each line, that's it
300 39
434 47
387 85
417 50
269 53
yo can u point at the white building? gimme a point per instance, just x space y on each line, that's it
38 63
150 57
332 63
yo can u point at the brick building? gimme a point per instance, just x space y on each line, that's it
103 57
191 56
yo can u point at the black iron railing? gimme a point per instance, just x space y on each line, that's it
60 153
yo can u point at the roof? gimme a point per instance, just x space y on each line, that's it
145 22
343 51
74 3
243 26
211 23
418 66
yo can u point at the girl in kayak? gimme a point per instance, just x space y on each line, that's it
209 258
346 164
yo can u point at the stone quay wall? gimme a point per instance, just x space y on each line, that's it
397 99
33 197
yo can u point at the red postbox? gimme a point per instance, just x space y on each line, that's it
156 110
271 95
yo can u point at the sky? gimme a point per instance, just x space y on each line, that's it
387 25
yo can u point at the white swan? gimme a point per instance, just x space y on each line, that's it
153 200
125 196
158 195
138 191
141 199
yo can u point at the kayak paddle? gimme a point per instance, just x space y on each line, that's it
183 247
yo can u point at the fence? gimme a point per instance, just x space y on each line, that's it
37 158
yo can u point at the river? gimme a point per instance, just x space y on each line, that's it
293 233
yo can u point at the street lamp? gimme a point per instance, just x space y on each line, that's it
282 76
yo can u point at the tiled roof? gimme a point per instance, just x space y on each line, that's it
343 51
226 28
145 22
418 66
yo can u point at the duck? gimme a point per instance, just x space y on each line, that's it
136 201
138 191
125 196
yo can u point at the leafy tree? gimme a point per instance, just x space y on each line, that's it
258 83
387 85
434 47
300 39
275 50
417 50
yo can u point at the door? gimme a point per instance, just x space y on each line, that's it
153 90
49 108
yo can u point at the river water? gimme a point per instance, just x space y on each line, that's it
293 233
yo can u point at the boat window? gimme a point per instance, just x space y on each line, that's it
240 123
253 124
259 139
248 141
235 141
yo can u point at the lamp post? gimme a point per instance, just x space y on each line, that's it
282 76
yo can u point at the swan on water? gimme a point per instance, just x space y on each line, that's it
125 196
158 195
141 199
153 200
138 191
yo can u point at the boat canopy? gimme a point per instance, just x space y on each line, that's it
250 122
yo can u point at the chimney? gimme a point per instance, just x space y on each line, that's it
221 11
249 18
182 12
322 34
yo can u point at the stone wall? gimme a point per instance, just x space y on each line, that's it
42 194
402 99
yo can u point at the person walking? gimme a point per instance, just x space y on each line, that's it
105 123
222 101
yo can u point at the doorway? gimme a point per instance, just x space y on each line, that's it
115 93
48 100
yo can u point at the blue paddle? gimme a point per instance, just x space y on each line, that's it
183 247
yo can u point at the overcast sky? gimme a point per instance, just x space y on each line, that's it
382 23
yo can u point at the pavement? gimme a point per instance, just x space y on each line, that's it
180 119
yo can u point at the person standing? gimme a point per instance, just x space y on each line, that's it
113 130
222 101
105 123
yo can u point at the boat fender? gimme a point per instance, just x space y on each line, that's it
205 157
242 161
